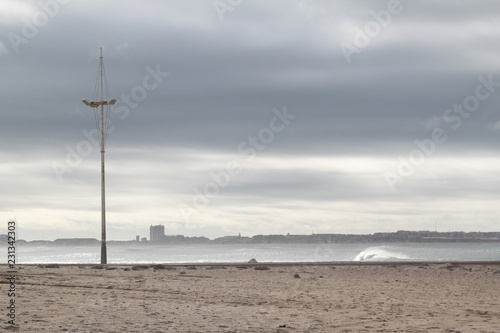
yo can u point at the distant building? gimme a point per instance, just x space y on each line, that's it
156 233
137 238
232 239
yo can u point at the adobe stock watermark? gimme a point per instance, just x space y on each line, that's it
371 30
47 9
75 154
247 150
11 274
223 6
453 116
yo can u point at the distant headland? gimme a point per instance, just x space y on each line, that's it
157 237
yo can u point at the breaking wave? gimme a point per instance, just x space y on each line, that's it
380 253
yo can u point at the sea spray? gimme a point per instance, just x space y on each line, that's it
380 253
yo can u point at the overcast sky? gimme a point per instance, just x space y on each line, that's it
251 117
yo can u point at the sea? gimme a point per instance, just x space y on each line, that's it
268 253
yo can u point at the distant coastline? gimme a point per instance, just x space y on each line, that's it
401 236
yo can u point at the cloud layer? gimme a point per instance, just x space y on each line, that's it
202 148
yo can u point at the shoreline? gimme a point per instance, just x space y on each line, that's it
276 264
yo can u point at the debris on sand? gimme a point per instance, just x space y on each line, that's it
261 268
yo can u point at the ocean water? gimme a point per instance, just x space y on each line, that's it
241 253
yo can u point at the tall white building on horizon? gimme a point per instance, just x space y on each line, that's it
156 233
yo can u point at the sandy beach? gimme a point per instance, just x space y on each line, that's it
256 298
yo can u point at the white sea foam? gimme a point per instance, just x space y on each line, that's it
380 253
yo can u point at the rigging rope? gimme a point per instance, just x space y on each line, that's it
97 97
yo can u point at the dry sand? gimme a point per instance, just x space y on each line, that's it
284 298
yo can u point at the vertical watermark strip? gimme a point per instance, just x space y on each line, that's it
12 272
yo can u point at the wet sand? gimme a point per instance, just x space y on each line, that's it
282 298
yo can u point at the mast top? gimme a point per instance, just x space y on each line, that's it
101 85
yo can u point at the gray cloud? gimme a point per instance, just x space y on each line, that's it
225 78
